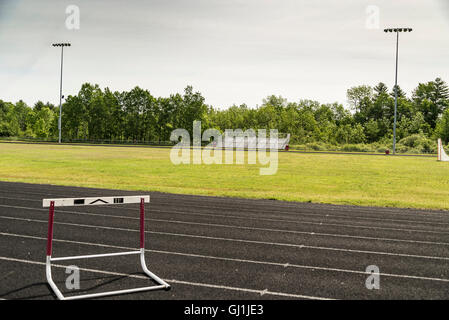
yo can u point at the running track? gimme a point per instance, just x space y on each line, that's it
222 248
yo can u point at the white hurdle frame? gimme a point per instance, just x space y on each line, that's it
52 203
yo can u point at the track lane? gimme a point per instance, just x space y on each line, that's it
262 278
271 244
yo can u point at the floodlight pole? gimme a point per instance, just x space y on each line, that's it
395 93
397 30
62 45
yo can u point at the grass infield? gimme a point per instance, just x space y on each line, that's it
408 182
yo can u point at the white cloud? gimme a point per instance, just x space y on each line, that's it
234 51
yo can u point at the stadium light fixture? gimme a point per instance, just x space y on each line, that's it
62 45
397 30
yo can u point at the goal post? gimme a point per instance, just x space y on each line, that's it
442 156
64 202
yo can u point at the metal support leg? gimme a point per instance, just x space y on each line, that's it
161 283
142 248
50 281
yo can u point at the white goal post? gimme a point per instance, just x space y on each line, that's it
52 203
442 156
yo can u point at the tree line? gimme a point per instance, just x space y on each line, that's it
136 115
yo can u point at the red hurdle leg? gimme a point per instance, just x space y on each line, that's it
142 223
161 282
51 215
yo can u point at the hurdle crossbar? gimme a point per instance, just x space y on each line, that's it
52 203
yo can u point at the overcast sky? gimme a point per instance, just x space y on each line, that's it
232 51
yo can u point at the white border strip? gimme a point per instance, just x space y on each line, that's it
94 201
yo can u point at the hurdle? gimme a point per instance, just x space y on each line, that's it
66 202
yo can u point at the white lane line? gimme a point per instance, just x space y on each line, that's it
259 229
299 214
264 219
300 246
197 284
21 199
299 232
307 222
194 255
383 210
260 292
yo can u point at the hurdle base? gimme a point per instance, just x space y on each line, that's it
162 284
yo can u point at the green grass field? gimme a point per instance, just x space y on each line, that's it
411 182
